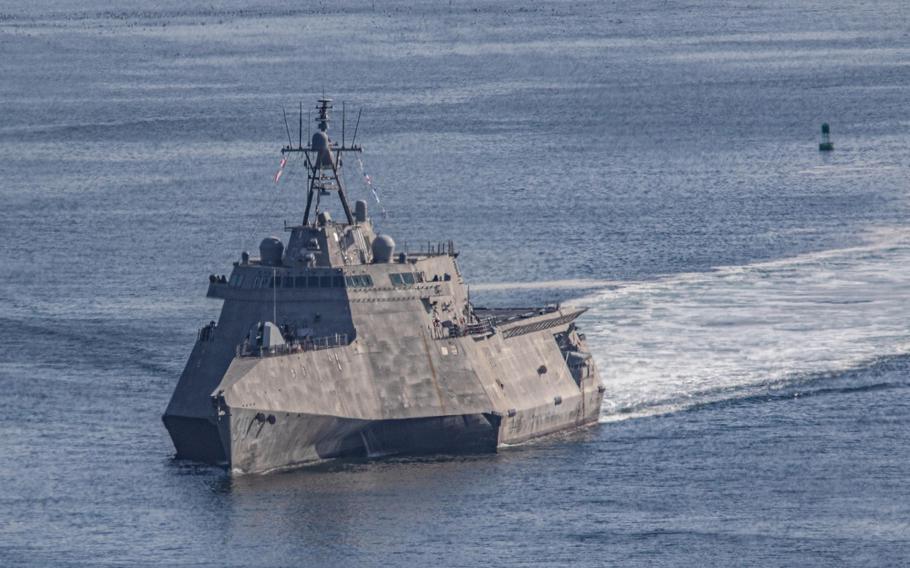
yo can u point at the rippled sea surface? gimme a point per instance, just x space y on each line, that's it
654 161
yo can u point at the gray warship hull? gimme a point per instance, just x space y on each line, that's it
511 380
335 346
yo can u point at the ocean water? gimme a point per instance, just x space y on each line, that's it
655 162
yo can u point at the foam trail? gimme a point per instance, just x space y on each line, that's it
671 343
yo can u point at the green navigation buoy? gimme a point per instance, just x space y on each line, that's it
826 145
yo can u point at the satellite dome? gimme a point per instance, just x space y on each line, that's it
383 248
271 250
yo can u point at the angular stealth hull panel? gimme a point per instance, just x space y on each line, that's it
260 446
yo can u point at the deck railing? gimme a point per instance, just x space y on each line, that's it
448 330
245 349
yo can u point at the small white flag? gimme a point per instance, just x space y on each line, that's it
284 161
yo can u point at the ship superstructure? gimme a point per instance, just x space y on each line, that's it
336 345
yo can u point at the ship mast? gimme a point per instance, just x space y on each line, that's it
323 162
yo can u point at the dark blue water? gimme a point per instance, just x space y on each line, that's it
654 161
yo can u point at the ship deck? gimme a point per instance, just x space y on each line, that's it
498 316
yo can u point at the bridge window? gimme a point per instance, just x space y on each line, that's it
404 279
338 281
312 282
280 282
359 281
325 282
300 282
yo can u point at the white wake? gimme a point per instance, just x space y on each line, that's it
667 344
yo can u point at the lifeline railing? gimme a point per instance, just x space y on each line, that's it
298 346
482 327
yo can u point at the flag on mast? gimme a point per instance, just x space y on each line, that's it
284 161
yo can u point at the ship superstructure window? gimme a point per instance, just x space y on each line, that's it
324 280
359 281
405 278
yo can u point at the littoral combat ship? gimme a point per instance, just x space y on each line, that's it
334 345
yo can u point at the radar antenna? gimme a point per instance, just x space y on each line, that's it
323 161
